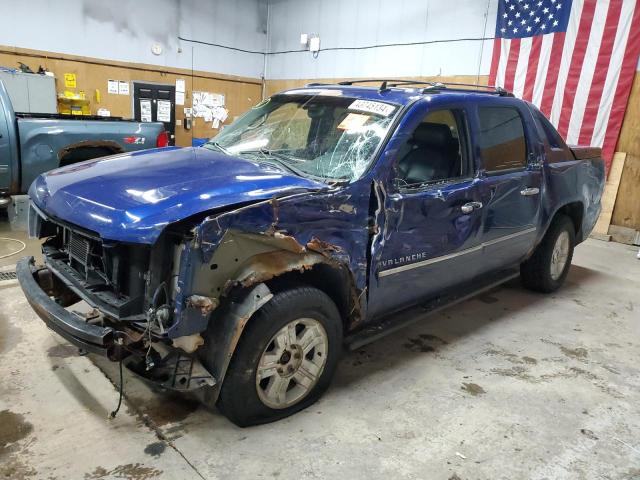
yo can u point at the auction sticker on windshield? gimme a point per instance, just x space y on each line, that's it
353 121
380 108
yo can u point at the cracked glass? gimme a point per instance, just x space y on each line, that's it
328 137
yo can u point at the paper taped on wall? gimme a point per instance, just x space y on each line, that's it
164 111
70 80
209 99
123 88
145 110
112 86
210 107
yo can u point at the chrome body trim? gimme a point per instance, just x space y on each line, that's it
508 237
449 256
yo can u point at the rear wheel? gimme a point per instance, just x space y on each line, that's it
285 359
546 270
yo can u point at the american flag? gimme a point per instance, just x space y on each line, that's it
575 60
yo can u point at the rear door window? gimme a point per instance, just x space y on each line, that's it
502 141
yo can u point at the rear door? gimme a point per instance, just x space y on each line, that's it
156 103
511 176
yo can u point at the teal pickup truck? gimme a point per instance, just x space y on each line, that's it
31 144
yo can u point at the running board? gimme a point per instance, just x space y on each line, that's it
411 315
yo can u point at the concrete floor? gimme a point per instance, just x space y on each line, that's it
508 385
10 249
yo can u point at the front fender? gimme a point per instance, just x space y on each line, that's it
226 327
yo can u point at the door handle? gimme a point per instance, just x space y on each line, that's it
527 192
470 207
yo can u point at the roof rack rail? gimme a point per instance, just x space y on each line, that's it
387 83
492 89
383 85
431 86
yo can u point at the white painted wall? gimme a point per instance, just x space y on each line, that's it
343 23
125 30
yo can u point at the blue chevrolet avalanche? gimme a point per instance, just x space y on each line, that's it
320 218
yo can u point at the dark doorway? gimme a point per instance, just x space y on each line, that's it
156 103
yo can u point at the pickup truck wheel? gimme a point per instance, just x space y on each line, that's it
285 359
547 268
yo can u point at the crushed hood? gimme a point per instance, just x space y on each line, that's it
132 197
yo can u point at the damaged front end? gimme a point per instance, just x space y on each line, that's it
143 349
174 311
127 311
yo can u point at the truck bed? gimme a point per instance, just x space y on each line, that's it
59 116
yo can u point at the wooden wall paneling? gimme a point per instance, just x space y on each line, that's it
92 75
609 195
627 207
629 140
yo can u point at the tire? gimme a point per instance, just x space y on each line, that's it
247 399
542 272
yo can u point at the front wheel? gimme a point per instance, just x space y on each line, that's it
546 270
285 358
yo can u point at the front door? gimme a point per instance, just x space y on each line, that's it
511 183
432 216
156 103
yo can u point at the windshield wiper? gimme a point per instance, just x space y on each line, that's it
217 146
280 158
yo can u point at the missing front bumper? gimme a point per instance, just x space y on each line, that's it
89 337
172 369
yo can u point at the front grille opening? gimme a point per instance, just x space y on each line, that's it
85 255
79 248
115 267
111 274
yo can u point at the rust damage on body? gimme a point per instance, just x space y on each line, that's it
206 305
294 257
288 256
243 259
265 266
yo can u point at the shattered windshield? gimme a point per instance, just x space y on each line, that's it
327 136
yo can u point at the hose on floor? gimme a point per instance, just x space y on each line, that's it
24 245
115 412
